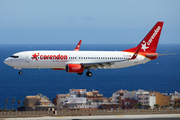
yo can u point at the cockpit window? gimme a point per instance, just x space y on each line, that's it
14 56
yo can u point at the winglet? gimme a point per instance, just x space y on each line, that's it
78 46
135 55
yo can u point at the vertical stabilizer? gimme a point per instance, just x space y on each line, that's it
150 41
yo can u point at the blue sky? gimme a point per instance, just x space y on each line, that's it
93 21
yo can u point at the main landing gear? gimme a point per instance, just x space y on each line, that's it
89 74
20 72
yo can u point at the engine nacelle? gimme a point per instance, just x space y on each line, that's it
57 68
74 68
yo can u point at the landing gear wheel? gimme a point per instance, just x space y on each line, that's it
20 73
80 73
89 74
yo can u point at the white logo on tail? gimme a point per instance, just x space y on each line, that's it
151 39
153 35
144 46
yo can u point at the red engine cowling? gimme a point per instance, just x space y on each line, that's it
74 68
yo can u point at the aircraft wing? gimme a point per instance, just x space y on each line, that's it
100 64
109 63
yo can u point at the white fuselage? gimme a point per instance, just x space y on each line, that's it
77 61
59 59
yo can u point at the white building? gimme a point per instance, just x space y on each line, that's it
78 92
87 106
73 102
74 99
145 98
141 95
152 100
116 95
127 95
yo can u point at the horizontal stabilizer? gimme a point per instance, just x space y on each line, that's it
152 55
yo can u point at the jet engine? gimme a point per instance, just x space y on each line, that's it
74 68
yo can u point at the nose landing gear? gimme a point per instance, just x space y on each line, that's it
20 70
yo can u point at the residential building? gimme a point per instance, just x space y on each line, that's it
116 96
94 98
162 99
110 106
78 92
94 94
60 100
38 102
173 96
142 96
73 101
177 102
87 107
152 100
127 103
127 94
96 101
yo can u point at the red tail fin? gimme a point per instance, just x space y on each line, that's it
150 42
78 46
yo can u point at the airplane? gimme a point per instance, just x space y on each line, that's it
78 61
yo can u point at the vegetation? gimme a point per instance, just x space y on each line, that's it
137 105
156 105
19 102
6 103
147 106
13 100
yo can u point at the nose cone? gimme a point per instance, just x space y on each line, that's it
8 61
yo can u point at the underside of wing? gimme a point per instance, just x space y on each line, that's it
100 65
103 65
